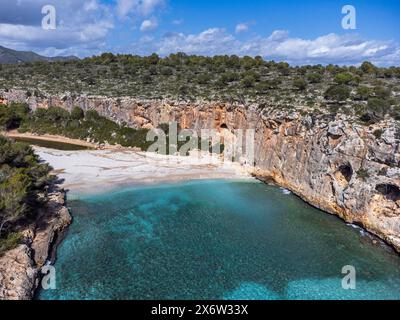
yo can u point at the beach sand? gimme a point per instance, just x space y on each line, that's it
97 171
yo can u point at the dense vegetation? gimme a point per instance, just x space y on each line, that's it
75 124
78 124
23 182
367 91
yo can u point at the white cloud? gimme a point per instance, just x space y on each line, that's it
241 27
149 25
141 7
331 48
211 41
279 35
91 5
82 27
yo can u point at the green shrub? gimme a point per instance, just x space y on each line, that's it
167 71
13 115
314 78
368 67
204 78
381 92
22 177
343 78
92 115
337 93
229 77
300 84
363 93
77 113
248 82
378 106
11 242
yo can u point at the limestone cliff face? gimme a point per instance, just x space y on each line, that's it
20 268
331 162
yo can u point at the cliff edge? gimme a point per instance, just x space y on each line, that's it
20 268
333 161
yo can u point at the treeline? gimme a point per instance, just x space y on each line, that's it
23 184
224 78
78 124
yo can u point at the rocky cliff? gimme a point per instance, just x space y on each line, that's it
333 162
20 268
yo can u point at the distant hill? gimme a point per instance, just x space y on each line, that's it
9 56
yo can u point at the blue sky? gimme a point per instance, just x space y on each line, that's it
299 32
307 19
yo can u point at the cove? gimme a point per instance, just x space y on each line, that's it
215 239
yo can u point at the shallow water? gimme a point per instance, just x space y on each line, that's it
215 240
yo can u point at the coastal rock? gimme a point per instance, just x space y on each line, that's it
20 267
17 274
49 227
331 162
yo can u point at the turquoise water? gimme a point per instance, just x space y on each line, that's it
215 240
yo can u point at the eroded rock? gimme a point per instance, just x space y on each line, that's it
303 154
20 267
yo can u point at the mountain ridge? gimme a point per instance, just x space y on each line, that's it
10 56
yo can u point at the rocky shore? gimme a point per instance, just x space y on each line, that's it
20 268
332 161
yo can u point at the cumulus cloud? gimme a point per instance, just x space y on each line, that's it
330 48
143 7
210 41
149 25
241 27
91 5
82 26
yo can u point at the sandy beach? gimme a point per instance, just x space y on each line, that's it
96 171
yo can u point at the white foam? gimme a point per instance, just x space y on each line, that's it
285 191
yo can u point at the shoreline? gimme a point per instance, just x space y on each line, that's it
218 168
96 171
153 169
375 239
91 172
